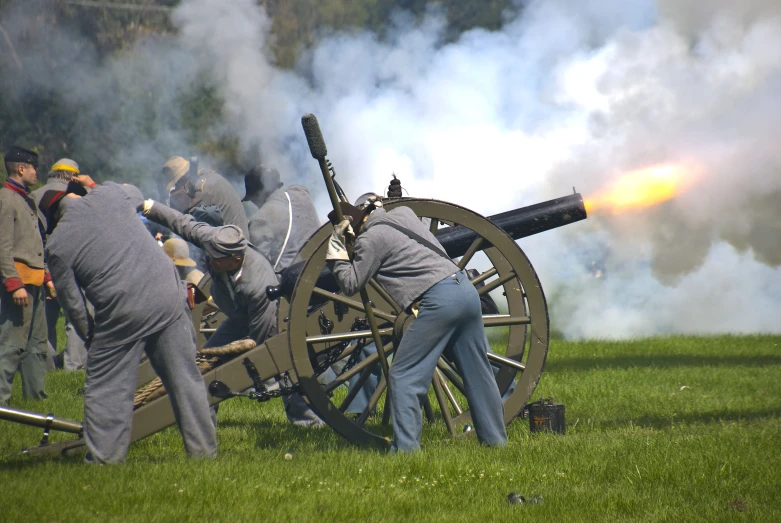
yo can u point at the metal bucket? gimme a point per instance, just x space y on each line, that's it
546 415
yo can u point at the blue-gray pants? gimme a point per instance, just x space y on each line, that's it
450 321
23 344
297 410
111 384
75 353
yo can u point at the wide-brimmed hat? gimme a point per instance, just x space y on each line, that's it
177 250
174 169
259 180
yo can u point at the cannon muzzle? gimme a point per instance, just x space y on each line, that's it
39 420
518 223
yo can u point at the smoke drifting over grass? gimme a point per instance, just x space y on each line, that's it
568 93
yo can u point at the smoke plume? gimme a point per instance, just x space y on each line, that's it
567 93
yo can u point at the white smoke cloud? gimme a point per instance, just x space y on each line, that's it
568 93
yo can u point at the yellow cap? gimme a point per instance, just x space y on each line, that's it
66 164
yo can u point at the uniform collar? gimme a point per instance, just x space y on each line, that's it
16 187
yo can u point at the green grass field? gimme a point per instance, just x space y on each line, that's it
663 429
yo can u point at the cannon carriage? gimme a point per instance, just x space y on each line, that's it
322 346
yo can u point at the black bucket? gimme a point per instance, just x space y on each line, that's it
546 415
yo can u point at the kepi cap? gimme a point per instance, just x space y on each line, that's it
66 164
225 241
21 155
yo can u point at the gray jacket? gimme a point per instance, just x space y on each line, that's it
101 248
212 189
287 219
404 267
53 184
20 233
243 300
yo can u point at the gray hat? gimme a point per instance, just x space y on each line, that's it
225 241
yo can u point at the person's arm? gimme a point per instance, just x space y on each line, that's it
353 276
182 224
11 279
71 298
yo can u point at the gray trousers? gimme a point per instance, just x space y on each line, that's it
75 353
450 321
297 410
23 344
111 384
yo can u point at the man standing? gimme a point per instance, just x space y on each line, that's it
417 273
187 190
239 280
285 219
99 251
75 355
23 343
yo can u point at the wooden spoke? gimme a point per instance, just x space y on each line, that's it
384 295
501 360
448 392
386 411
451 375
346 336
433 226
355 388
342 378
503 320
487 274
428 411
372 402
488 287
466 258
442 400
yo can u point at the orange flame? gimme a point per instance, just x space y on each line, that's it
641 189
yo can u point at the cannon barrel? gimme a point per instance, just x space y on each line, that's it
518 223
39 420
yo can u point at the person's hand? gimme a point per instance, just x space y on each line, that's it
20 297
52 290
337 250
343 229
84 179
159 236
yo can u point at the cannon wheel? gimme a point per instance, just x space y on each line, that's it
526 319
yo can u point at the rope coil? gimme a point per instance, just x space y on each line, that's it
207 360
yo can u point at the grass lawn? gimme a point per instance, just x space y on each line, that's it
662 429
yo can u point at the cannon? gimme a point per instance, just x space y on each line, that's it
322 332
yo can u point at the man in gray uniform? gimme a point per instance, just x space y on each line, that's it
75 355
449 318
23 344
239 280
285 220
187 190
101 252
